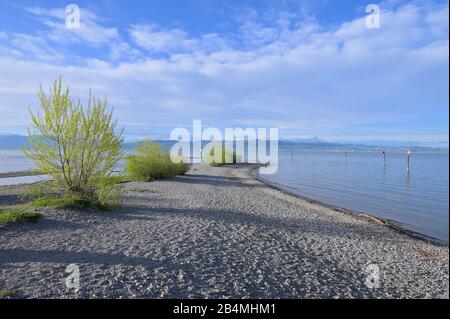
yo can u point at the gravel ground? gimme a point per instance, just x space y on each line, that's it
215 233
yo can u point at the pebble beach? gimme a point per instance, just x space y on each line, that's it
216 232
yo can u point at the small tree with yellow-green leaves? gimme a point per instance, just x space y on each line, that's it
151 162
79 147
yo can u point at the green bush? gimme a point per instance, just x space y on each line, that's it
219 156
78 146
150 162
14 215
6 294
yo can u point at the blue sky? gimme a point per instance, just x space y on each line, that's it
310 68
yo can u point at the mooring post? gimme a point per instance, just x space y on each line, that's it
408 155
384 157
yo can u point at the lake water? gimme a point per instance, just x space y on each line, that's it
361 182
14 161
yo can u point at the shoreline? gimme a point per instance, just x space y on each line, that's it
20 174
392 224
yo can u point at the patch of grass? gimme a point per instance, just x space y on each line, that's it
60 201
6 294
150 163
37 191
47 195
15 215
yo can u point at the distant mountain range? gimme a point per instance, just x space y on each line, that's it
377 143
10 141
327 146
13 141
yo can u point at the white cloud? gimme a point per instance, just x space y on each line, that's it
55 41
123 51
91 30
306 79
35 47
153 38
27 47
158 40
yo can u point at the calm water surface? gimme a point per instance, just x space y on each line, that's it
14 161
417 201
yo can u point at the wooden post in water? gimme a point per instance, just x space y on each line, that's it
408 161
384 157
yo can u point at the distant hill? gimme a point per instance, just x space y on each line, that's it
10 141
437 144
327 146
13 141
313 140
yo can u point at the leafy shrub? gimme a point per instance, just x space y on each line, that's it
218 155
17 215
150 162
79 147
6 294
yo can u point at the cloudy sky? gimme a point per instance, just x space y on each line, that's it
310 68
